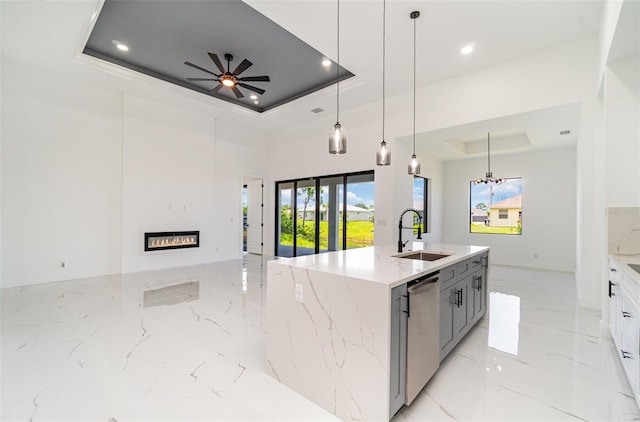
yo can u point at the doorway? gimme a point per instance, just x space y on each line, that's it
252 218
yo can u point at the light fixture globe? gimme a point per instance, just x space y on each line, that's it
337 139
228 80
414 165
383 155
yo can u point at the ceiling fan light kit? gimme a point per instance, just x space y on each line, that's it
489 175
229 79
337 134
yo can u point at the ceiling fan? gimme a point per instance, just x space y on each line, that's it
229 79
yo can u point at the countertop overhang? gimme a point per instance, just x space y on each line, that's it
381 264
623 261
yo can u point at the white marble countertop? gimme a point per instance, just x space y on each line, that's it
380 264
623 260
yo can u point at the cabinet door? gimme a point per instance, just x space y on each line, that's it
478 286
462 307
628 332
614 304
398 352
446 319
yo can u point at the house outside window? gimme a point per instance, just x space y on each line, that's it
496 209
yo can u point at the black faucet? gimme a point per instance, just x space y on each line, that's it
400 244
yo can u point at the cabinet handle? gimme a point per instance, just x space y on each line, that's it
613 270
625 355
478 280
626 314
611 294
457 301
408 311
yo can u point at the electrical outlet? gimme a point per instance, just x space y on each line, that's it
299 297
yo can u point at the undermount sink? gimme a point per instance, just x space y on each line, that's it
635 267
424 256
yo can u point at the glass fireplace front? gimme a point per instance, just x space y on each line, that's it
158 241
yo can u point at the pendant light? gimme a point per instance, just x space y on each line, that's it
414 165
383 155
488 175
337 134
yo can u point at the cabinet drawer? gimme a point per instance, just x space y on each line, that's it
448 276
468 266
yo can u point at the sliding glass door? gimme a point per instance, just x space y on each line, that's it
322 214
305 217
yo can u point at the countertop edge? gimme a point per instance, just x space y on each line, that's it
623 260
405 270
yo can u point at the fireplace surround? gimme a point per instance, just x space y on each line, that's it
158 241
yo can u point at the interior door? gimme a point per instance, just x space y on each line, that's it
254 216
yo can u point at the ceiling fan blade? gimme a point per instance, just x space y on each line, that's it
215 89
201 79
255 79
217 61
252 88
200 68
242 67
237 92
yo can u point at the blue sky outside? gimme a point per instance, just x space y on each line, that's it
356 193
492 193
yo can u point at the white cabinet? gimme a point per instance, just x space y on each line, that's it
614 302
624 320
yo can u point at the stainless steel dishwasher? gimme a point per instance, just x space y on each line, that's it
423 333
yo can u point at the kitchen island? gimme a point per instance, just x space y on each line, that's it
332 328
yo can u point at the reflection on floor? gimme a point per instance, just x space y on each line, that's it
188 343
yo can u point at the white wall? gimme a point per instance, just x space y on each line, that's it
240 153
622 132
61 149
548 239
86 171
168 182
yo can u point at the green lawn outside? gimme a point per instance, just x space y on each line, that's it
360 234
481 228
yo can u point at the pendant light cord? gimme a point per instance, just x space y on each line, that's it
338 68
414 86
489 152
384 25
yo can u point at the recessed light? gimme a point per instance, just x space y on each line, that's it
120 46
256 102
326 62
253 96
467 49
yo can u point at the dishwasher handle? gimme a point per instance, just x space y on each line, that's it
414 285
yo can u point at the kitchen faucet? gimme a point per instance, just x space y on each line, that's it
400 244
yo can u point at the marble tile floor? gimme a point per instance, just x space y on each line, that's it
188 344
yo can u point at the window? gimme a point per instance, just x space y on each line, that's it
421 201
321 214
496 209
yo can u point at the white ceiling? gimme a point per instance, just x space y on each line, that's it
51 35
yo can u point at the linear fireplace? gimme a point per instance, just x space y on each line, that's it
158 241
